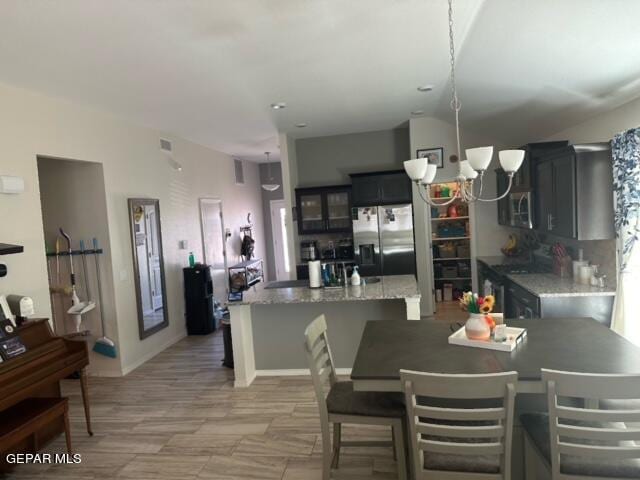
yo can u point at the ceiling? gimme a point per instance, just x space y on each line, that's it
208 70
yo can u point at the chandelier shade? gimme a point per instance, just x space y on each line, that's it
480 157
430 174
510 160
466 171
416 169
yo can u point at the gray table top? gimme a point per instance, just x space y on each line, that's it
570 344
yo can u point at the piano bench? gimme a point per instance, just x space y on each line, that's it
26 418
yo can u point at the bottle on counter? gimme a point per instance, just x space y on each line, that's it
192 260
355 277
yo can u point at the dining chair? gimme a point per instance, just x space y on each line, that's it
342 405
596 437
461 426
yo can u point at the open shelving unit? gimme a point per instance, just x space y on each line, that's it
451 247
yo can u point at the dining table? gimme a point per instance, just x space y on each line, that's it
568 344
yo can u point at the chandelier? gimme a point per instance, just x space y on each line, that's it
273 186
472 170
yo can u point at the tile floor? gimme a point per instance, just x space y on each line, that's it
179 417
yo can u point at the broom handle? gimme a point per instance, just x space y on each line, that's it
95 255
84 270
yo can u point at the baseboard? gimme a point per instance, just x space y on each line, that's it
294 372
129 368
244 384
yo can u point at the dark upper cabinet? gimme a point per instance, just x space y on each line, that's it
574 195
324 209
524 178
562 222
503 205
381 188
365 191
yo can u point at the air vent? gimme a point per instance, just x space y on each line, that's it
239 172
165 145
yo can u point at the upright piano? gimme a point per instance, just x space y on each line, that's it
38 371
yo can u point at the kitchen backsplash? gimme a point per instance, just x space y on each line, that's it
598 252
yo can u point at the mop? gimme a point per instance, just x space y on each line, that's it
103 345
78 308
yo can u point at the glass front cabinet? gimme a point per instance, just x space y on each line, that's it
324 209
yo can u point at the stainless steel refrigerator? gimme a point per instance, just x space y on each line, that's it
383 240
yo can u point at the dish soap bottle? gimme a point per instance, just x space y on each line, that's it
192 260
355 277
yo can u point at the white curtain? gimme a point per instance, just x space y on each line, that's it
626 177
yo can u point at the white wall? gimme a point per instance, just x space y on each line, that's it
603 127
33 124
488 236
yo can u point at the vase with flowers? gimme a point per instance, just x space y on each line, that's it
479 324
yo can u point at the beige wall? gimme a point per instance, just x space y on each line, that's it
603 127
34 125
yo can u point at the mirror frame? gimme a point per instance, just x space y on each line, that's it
136 266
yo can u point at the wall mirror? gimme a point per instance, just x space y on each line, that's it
148 263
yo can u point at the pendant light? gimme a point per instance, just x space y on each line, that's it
471 170
272 186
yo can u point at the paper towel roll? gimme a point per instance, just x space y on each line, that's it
315 274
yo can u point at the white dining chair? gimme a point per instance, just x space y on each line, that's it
595 437
342 405
461 426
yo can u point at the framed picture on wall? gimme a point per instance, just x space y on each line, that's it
435 155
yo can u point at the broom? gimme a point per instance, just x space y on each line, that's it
104 345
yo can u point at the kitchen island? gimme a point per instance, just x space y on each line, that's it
267 325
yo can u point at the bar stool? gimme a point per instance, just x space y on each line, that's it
461 426
344 405
598 439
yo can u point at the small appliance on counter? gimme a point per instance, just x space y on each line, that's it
309 250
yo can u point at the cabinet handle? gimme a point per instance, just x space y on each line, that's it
551 225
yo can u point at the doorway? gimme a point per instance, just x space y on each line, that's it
214 245
279 222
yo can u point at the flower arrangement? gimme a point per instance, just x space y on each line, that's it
472 303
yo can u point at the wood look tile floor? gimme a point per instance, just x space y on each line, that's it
179 417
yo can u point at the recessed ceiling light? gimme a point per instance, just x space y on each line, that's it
301 125
417 112
278 105
425 88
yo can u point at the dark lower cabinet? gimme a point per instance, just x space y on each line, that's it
381 188
521 304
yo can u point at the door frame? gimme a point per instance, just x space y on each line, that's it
214 200
278 250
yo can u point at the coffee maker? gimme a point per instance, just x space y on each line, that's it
309 250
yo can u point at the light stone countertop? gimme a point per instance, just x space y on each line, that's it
389 288
546 284
550 285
